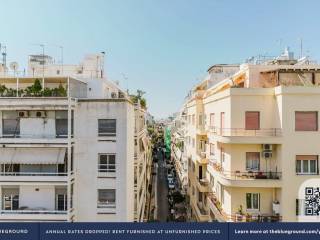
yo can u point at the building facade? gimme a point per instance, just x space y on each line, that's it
142 166
250 141
67 144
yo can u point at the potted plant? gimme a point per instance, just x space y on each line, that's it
3 90
248 217
239 214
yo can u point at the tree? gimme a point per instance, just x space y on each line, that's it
135 98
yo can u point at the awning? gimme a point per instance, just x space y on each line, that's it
32 155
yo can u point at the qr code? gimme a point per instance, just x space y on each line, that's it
312 201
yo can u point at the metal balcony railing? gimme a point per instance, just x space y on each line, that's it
221 216
245 175
33 174
34 136
32 211
242 132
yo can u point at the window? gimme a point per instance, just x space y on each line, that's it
193 142
307 164
252 160
193 119
252 121
106 198
61 123
253 201
212 150
61 202
10 124
211 119
306 121
107 163
107 127
11 202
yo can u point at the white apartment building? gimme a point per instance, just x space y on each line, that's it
142 165
178 149
251 142
66 145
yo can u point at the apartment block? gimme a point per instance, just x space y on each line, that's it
178 149
67 144
142 165
251 141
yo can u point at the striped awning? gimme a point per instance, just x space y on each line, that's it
32 155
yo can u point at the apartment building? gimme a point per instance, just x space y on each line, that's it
251 142
178 149
67 144
142 165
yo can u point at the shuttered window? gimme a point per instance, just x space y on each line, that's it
306 121
252 120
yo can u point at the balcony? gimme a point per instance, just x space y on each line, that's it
221 216
202 157
33 176
201 213
247 178
203 184
33 215
42 87
242 135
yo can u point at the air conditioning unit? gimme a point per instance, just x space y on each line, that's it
266 147
267 150
267 154
114 95
41 114
23 114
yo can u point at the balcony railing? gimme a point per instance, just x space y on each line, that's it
34 136
201 209
245 175
33 174
32 211
223 217
242 132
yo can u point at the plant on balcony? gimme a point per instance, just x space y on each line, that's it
47 92
248 217
34 90
3 90
10 92
239 214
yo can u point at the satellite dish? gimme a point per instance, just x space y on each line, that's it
14 66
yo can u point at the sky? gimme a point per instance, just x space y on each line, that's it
163 47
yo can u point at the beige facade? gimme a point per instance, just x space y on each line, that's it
142 166
244 144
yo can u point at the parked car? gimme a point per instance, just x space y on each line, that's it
171 184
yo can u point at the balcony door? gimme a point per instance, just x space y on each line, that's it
200 172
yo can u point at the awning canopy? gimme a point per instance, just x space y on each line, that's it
32 155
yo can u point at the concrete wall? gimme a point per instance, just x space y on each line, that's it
87 147
43 198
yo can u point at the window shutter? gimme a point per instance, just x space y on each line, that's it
306 121
252 120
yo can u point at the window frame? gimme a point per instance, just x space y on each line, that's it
306 130
259 118
107 134
252 201
301 163
251 168
107 205
107 171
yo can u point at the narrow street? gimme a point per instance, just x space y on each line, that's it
162 190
